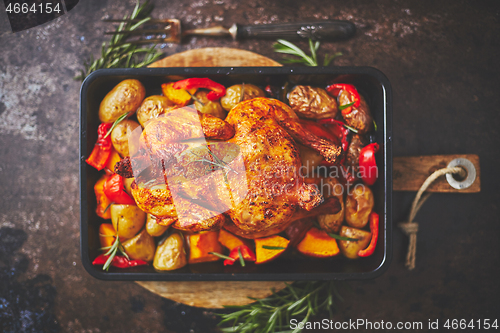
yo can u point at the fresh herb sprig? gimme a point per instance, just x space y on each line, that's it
120 54
299 301
284 46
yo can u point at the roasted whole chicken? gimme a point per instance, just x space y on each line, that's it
253 178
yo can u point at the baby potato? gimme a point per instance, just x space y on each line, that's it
127 182
127 219
152 107
358 206
125 97
350 249
233 95
153 228
170 254
360 118
332 222
121 134
141 247
313 103
209 107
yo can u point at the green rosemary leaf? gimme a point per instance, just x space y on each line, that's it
117 121
351 128
375 126
242 261
342 237
345 106
268 247
328 59
221 256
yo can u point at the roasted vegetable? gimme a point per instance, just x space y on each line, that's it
367 164
102 148
106 235
113 159
332 222
103 202
297 230
241 253
269 248
359 117
114 189
217 90
152 107
233 95
231 241
317 243
153 227
311 102
125 97
205 105
127 220
349 248
374 224
121 134
142 246
352 157
179 97
170 254
358 205
201 244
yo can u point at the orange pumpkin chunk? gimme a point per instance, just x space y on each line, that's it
231 241
317 243
201 244
269 248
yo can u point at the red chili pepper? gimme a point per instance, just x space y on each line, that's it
247 254
218 90
335 90
367 164
374 224
102 148
118 261
115 191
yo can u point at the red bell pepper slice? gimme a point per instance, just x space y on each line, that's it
102 148
118 261
335 90
246 253
218 90
374 225
115 191
367 164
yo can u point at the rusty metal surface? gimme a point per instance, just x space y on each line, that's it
441 58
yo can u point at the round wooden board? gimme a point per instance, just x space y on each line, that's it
213 294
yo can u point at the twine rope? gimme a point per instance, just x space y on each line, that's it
410 228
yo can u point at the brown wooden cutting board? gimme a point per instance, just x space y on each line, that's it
213 294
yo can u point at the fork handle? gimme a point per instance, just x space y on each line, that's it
320 30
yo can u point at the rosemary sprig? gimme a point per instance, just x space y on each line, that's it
113 250
269 247
343 238
351 128
297 301
345 106
117 121
120 54
283 46
217 254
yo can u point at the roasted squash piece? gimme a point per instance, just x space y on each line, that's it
112 160
106 235
201 244
269 248
180 97
231 241
317 243
103 202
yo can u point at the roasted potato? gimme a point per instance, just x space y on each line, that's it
350 249
233 95
358 206
352 157
141 247
121 134
170 254
127 182
127 219
153 228
207 106
360 118
152 107
179 97
332 222
125 97
313 103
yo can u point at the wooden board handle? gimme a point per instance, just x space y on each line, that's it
409 173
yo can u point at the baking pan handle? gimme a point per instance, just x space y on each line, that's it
322 30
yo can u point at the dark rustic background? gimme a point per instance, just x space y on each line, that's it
442 60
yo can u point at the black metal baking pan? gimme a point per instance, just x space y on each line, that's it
372 84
